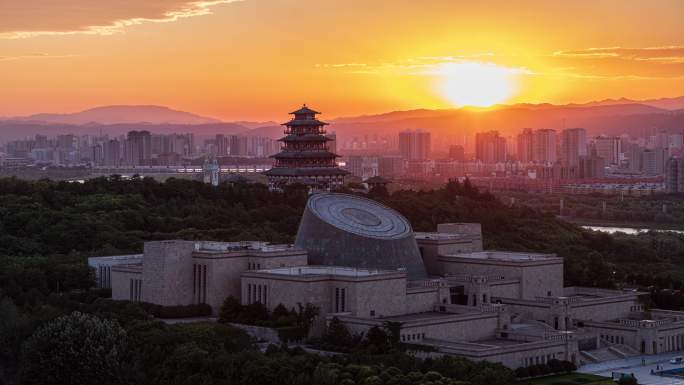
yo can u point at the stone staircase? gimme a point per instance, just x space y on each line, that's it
601 355
624 351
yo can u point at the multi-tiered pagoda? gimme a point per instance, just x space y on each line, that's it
305 156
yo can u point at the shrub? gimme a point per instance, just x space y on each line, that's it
181 311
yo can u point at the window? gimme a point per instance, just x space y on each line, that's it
340 294
249 293
199 283
204 284
337 300
135 290
372 313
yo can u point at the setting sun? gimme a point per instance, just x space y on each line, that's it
476 84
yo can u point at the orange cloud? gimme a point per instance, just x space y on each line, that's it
31 18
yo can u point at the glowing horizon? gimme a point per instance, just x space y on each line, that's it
254 59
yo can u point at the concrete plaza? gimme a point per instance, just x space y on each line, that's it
642 372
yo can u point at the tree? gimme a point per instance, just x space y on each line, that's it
628 380
280 311
337 334
78 349
230 310
305 317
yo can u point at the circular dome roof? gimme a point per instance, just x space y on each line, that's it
359 216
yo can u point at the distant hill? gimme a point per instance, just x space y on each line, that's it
611 116
122 114
612 119
664 103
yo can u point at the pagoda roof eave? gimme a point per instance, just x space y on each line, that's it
305 138
304 155
306 171
304 110
312 122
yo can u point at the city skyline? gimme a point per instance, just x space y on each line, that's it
252 59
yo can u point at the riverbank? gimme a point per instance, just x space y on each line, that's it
584 222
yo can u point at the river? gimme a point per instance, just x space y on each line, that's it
626 230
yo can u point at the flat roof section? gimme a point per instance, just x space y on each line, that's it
506 256
328 270
443 236
222 247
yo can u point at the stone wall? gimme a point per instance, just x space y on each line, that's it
167 272
224 274
121 283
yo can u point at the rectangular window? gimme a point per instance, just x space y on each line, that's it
194 281
343 295
337 300
131 290
265 297
249 293
204 284
259 291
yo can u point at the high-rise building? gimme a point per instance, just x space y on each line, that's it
305 156
591 166
415 144
653 161
674 175
490 147
676 141
66 141
222 145
544 146
456 152
363 166
635 155
97 154
524 146
112 153
138 148
573 146
609 148
391 165
41 141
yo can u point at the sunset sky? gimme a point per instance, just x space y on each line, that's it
257 59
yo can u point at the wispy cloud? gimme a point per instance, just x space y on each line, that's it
33 56
420 66
664 54
32 18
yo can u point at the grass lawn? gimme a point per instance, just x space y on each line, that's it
569 379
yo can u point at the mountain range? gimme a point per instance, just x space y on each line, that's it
610 116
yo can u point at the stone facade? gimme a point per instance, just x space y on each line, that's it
186 272
484 305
